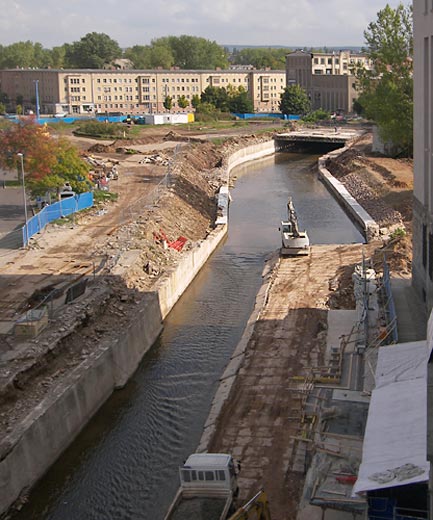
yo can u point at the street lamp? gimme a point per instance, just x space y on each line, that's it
26 234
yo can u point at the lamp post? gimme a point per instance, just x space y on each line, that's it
26 233
36 82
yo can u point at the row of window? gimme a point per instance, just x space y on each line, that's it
193 475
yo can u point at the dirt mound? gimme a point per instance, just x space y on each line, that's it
102 148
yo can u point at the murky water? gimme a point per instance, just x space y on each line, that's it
124 464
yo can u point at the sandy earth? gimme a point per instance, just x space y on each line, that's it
259 419
263 413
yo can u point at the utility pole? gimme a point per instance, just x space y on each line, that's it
26 233
36 82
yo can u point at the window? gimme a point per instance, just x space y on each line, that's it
220 474
209 475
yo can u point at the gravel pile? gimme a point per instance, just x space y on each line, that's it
384 215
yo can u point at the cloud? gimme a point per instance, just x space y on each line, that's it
244 22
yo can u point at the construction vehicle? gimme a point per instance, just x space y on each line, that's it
255 509
208 491
208 488
293 241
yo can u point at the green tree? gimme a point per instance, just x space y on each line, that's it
195 101
139 55
386 91
191 52
2 108
93 51
207 112
183 102
216 96
168 102
240 101
294 101
260 57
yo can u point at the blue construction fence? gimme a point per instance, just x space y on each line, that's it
62 208
270 115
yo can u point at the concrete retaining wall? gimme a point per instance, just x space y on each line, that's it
352 207
255 151
28 451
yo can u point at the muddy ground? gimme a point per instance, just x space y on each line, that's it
152 204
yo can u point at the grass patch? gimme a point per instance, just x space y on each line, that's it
10 184
104 196
65 221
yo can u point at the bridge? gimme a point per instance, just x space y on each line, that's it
334 137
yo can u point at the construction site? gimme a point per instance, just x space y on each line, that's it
296 412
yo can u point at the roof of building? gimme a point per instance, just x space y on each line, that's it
395 442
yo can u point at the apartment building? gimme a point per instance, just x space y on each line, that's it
422 265
341 62
133 91
327 78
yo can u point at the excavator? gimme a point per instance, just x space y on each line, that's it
255 509
293 241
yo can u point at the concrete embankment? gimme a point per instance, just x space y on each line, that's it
352 207
37 441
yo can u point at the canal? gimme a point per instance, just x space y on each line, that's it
123 466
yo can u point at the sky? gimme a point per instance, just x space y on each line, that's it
293 23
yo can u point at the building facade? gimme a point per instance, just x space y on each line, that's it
341 62
422 265
133 91
327 78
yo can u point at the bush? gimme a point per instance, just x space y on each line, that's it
100 129
317 115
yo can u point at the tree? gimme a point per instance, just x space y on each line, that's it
260 58
216 96
386 91
48 162
93 51
2 108
294 101
195 101
240 101
191 52
182 102
168 102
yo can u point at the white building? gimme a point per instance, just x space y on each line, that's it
422 267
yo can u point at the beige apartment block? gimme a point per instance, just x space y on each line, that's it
422 264
134 91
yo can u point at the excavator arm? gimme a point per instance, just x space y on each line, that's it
255 509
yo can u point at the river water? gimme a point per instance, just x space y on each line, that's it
123 466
